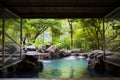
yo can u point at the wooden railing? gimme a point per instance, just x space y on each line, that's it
10 56
111 38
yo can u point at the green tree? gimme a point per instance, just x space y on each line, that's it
56 30
32 28
93 29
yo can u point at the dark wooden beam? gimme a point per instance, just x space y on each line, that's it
61 9
63 3
70 8
63 15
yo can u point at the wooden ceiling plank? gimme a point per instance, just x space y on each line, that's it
61 9
41 8
42 3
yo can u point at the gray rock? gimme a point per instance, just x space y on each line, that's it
29 63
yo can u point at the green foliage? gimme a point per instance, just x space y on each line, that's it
93 29
64 43
12 28
56 31
86 33
112 32
32 28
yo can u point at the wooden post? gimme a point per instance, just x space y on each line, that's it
43 36
3 41
103 39
21 38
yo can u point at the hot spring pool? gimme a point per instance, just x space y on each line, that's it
69 67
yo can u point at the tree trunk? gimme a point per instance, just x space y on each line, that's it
97 36
71 32
24 41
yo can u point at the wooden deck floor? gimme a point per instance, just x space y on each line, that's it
59 79
113 59
10 62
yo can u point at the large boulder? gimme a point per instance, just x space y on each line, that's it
54 51
76 51
43 49
44 56
95 60
29 48
29 63
94 54
64 53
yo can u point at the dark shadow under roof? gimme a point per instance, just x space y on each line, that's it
61 8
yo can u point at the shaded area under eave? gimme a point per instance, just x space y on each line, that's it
61 8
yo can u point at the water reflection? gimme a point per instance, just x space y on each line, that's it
50 73
69 67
